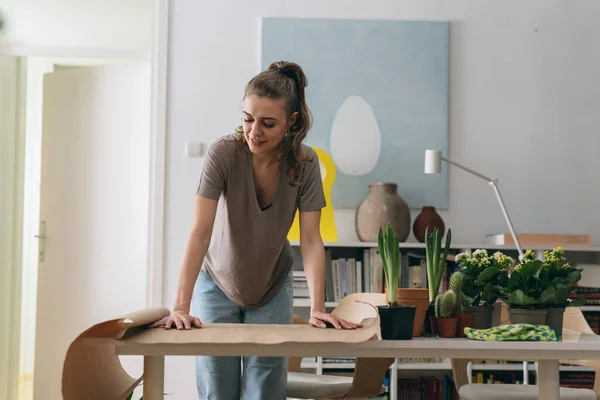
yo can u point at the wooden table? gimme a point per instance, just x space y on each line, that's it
547 354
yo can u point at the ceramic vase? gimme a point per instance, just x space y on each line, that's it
382 205
428 217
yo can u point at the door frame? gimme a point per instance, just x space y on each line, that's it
158 57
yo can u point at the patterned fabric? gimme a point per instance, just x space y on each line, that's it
513 332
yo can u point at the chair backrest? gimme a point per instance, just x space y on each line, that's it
573 320
294 363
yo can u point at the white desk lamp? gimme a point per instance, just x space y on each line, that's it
433 165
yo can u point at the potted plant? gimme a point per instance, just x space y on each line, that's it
445 314
464 319
559 279
436 262
483 278
523 292
397 321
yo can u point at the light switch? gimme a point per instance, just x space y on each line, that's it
193 149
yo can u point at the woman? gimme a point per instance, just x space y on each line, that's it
238 260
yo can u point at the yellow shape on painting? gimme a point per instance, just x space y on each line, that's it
328 230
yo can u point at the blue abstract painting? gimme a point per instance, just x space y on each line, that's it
378 93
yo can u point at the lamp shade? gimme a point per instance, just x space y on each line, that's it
433 161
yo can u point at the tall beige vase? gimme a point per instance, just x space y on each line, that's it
382 205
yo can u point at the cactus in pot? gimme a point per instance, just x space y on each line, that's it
456 281
446 314
447 305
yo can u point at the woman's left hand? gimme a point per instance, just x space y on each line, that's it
320 319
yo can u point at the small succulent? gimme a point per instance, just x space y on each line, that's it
446 305
456 282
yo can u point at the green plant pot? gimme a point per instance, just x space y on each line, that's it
554 319
482 316
528 316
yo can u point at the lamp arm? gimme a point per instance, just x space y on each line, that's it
494 184
468 169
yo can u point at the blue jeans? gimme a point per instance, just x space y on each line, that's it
240 378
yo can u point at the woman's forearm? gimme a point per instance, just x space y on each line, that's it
196 249
313 256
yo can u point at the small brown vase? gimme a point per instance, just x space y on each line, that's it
427 218
447 327
382 205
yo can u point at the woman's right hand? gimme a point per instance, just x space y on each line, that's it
179 319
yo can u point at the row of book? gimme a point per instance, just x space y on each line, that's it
346 275
591 294
426 388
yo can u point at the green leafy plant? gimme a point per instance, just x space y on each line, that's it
436 261
389 251
544 283
559 279
445 305
484 276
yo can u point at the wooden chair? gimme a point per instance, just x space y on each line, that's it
366 381
575 322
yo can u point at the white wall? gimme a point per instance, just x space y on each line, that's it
90 23
524 107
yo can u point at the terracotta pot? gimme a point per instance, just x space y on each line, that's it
447 327
382 205
435 325
414 297
427 218
465 320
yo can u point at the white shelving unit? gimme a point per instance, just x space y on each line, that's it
443 366
319 366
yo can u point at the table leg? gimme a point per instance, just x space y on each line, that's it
394 380
154 377
548 380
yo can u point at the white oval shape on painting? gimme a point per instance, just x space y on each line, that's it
355 137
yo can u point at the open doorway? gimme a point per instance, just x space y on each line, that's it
33 239
21 181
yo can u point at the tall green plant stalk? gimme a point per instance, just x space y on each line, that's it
435 261
389 251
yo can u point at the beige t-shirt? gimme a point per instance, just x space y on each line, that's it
249 255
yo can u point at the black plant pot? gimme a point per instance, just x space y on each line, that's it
397 323
427 330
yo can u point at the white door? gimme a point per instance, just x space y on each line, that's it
94 206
